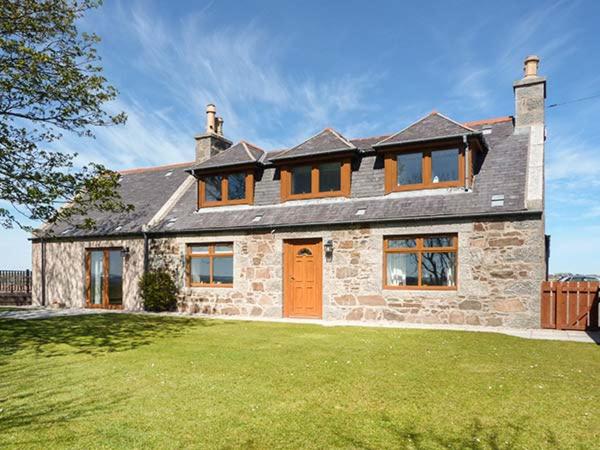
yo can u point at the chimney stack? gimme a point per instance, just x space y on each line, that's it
211 112
212 141
530 99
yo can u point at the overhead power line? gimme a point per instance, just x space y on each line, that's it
554 105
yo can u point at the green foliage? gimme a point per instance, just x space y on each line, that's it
51 82
158 291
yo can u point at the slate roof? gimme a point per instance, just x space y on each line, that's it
146 189
238 154
501 172
326 142
432 126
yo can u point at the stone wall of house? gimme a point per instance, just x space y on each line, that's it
65 272
500 266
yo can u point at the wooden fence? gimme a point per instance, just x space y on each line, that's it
571 305
15 281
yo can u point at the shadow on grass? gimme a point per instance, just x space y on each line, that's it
54 407
475 436
92 334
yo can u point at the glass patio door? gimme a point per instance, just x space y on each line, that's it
104 275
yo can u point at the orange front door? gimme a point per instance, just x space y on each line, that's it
302 278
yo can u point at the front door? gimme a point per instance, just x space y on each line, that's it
104 278
302 278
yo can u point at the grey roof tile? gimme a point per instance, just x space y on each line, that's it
238 154
146 189
501 172
326 142
432 126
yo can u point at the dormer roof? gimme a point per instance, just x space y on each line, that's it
240 154
327 142
434 126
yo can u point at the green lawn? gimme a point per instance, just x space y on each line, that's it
126 381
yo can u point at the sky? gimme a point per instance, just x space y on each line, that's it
279 72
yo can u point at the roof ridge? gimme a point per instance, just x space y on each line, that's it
154 168
404 129
341 138
432 113
454 121
303 142
245 145
250 144
489 121
370 137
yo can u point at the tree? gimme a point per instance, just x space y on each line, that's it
51 82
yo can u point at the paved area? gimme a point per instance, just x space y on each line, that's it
552 335
43 313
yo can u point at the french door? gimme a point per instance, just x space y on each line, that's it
104 278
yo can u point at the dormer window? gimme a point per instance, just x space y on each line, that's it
424 168
233 188
315 180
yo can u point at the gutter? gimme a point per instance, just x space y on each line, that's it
43 263
438 138
146 245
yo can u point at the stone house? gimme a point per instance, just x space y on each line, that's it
441 222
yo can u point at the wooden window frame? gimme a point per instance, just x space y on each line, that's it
105 278
211 255
419 249
391 167
248 200
345 180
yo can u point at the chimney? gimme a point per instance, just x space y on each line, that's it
212 141
211 112
530 97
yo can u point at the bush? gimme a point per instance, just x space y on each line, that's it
158 291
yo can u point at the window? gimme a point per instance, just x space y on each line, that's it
104 278
323 179
210 265
426 169
226 189
427 262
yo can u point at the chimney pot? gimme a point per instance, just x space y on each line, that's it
211 112
220 126
531 65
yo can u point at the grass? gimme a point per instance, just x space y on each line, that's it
127 381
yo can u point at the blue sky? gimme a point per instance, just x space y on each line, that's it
281 71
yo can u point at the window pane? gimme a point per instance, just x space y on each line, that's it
200 270
438 241
301 180
444 165
330 177
96 276
409 168
223 270
115 277
402 269
401 243
212 188
438 269
224 248
199 248
236 186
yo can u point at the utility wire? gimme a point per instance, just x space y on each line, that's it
554 105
